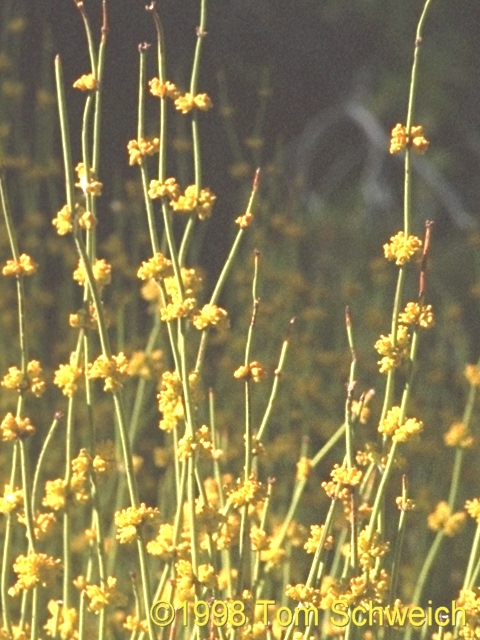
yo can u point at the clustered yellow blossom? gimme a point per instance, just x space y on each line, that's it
44 523
345 476
185 581
162 546
113 370
443 519
207 577
210 316
469 599
393 354
63 622
11 499
193 200
472 374
130 519
254 370
244 221
402 249
186 102
13 428
316 533
190 202
102 272
33 569
157 267
204 440
305 595
79 482
400 139
250 492
419 314
67 377
63 222
24 266
405 504
370 548
390 426
168 189
163 90
33 380
101 596
458 436
170 401
178 306
87 82
55 494
138 149
84 319
473 509
89 185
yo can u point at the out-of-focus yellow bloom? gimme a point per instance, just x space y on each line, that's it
87 82
11 499
472 374
316 533
63 621
24 266
458 436
67 377
402 249
443 519
101 596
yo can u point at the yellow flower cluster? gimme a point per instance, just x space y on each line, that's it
254 370
67 377
345 476
405 504
63 222
168 189
101 596
443 519
170 401
13 428
316 532
393 355
102 272
11 499
162 545
163 90
178 307
186 102
113 370
89 186
207 577
244 221
458 436
402 250
399 139
190 202
305 595
472 374
33 569
85 319
415 313
33 381
210 316
63 622
185 581
469 599
132 623
24 266
473 509
57 493
250 492
157 267
400 433
87 82
370 548
130 519
138 149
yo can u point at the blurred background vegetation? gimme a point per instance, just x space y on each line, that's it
308 91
